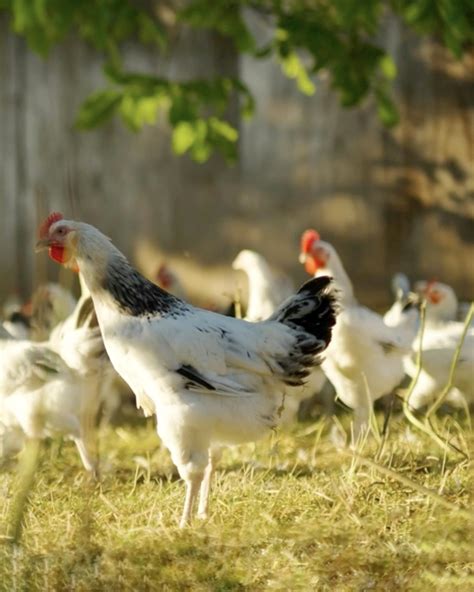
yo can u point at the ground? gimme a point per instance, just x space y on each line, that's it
290 513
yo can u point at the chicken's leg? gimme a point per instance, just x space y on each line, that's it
90 463
361 422
214 456
193 484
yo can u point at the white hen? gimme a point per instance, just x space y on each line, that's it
40 395
79 342
50 304
210 379
266 290
365 358
442 334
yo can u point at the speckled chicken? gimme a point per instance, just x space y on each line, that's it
210 379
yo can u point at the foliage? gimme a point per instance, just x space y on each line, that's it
341 37
290 513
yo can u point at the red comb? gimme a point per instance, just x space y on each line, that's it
51 219
307 239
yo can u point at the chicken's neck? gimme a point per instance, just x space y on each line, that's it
259 282
341 280
112 281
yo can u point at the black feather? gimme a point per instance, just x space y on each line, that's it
195 377
312 313
137 296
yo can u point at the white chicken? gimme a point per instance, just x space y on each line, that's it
439 344
365 358
210 379
79 342
50 304
441 301
442 334
442 304
266 290
39 396
401 290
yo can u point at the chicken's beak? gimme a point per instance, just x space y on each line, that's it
302 258
42 244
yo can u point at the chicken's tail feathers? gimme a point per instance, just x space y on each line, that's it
312 313
313 307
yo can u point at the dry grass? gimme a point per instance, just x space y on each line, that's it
291 513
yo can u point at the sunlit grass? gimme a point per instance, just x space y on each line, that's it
290 513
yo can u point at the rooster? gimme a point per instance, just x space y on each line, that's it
365 358
211 380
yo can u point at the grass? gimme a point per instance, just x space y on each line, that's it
289 513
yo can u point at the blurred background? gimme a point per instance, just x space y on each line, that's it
390 185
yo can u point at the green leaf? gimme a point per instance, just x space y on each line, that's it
223 129
224 17
184 136
138 111
388 67
386 109
97 108
150 32
293 68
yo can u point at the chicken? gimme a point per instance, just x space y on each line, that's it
211 380
441 301
442 304
439 345
50 304
404 298
266 290
79 342
365 358
266 293
39 396
442 335
167 279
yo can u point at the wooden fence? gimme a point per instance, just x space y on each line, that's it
389 200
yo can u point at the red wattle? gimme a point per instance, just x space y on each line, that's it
62 255
311 265
57 254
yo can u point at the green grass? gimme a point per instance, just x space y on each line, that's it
290 513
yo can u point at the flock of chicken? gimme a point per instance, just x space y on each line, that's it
211 380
